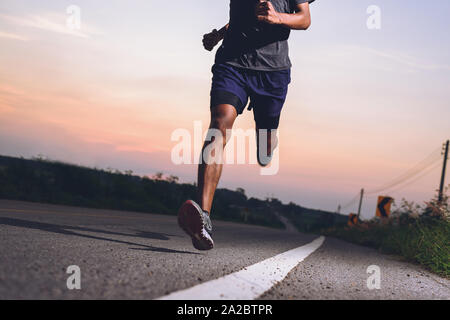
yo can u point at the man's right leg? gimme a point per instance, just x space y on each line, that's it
193 218
222 119
228 99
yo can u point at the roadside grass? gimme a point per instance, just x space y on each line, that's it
425 241
420 235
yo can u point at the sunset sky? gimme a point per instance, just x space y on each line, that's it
364 105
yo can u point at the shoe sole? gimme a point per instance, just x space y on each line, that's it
191 222
268 158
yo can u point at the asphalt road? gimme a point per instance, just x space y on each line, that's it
129 255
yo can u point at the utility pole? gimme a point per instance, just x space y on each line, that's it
441 187
360 202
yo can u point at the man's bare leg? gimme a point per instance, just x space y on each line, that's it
222 118
194 218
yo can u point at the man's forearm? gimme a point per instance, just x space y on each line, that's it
301 20
296 21
223 31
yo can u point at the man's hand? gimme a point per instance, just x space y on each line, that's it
210 40
266 12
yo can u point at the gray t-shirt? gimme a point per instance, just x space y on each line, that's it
256 45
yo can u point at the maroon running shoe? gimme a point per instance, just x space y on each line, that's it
197 224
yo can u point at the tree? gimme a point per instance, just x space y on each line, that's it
173 179
241 191
158 176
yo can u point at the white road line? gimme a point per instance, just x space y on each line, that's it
252 281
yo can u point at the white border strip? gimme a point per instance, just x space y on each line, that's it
252 281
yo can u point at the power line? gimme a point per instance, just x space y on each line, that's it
436 165
404 178
431 159
425 166
351 202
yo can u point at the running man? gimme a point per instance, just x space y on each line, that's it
251 64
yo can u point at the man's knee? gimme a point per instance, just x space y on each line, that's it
222 120
223 125
220 123
220 127
223 116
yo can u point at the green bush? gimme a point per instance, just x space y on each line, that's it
424 239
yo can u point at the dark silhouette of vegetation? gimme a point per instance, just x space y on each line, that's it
43 180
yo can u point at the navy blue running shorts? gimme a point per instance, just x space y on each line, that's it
266 90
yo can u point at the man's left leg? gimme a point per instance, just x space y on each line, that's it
266 123
269 91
